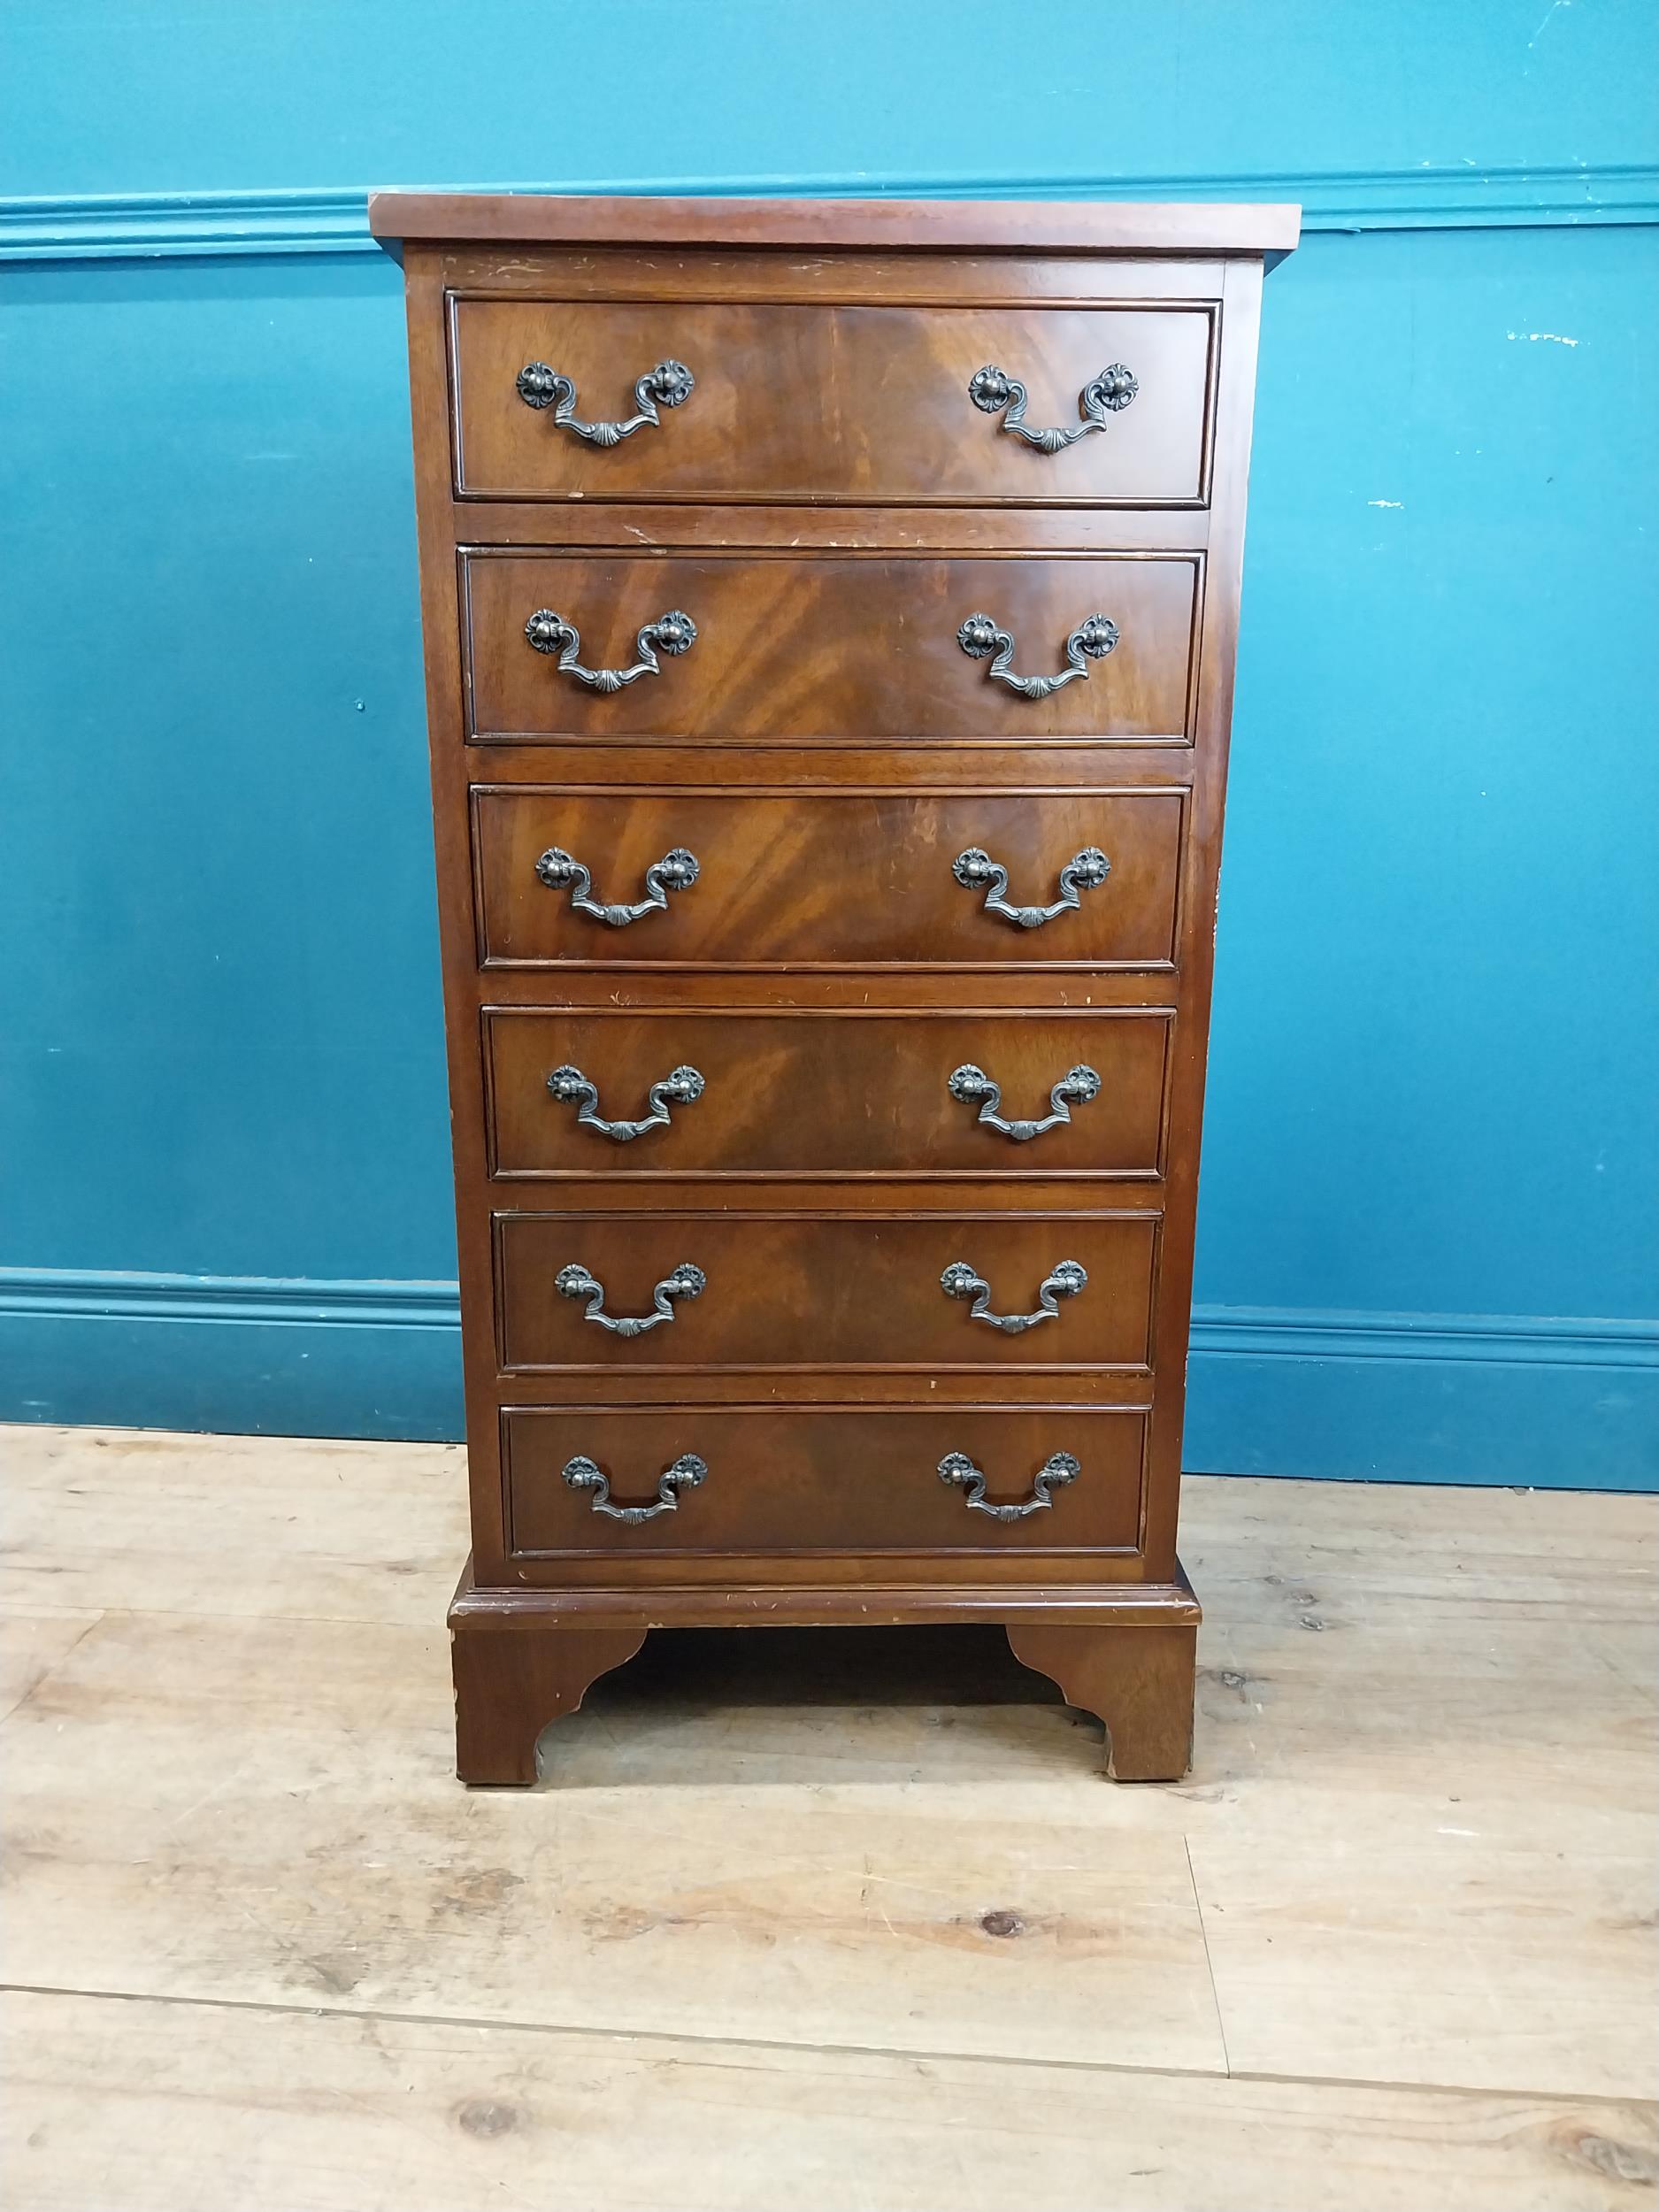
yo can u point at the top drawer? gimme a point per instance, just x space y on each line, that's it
872 405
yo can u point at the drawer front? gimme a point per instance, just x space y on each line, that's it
800 647
829 878
824 1094
760 1480
831 403
723 1291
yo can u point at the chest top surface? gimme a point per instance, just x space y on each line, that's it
1126 227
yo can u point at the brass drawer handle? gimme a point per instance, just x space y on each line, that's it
992 389
676 870
682 1087
1057 1470
1091 640
1084 871
670 384
685 1473
672 634
972 1086
686 1281
960 1281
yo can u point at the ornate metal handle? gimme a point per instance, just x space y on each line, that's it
680 1089
1082 872
685 1473
672 634
992 389
686 1281
1076 1087
960 1281
1091 640
676 870
957 1468
670 384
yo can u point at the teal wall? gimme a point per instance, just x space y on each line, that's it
1429 1225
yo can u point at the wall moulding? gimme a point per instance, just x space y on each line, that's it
212 225
1558 1401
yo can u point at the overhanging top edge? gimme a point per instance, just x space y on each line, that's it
1134 226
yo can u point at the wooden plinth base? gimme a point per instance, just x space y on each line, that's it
1122 1651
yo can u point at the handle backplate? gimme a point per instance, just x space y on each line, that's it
1084 871
688 1471
993 389
682 1087
676 870
672 634
1055 1471
981 638
959 1281
972 1086
684 1282
670 384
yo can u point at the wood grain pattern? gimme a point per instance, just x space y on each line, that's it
905 226
117 1519
291 1834
507 1687
1422 1831
440 623
802 647
409 2116
31 1645
830 994
531 525
1139 1681
814 1094
854 276
828 404
829 881
821 747
830 1479
787 1291
403 2116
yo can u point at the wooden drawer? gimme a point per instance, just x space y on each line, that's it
833 1479
828 879
797 647
793 1092
831 403
725 1291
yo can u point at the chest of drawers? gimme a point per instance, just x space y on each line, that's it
830 612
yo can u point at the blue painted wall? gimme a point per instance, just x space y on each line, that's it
1429 1230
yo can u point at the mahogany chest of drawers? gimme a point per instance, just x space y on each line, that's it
830 614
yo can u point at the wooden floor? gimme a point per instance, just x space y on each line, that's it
843 1922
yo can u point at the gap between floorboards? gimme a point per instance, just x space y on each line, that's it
899 2053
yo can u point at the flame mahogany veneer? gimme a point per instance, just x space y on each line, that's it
830 614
